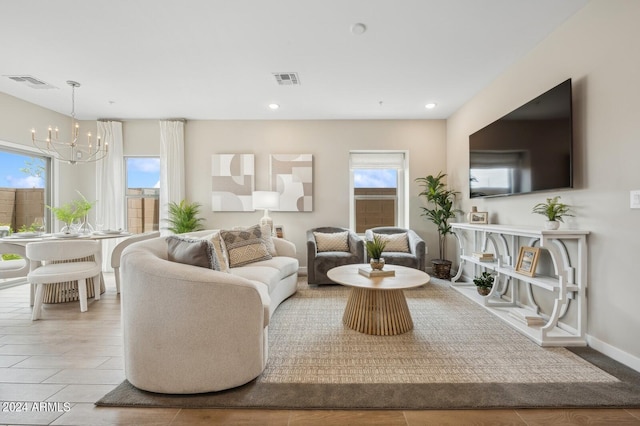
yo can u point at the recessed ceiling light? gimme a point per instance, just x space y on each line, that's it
274 106
430 105
358 28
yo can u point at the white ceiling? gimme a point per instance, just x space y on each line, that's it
214 59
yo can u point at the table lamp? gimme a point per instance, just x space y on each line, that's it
267 200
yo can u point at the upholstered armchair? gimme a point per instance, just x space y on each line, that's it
409 250
328 247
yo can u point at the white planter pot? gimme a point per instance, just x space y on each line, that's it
551 225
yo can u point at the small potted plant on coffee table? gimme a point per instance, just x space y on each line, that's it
484 283
375 248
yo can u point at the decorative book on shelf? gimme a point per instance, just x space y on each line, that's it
526 316
483 256
371 273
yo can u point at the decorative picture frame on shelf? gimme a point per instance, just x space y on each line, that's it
527 260
479 217
279 231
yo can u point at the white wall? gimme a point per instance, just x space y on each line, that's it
597 48
330 143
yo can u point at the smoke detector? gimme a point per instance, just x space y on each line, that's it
358 28
287 78
30 81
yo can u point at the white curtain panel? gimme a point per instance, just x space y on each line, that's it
171 168
110 205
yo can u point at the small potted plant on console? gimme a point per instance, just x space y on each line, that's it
484 283
554 211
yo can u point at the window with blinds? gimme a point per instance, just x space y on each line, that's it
377 189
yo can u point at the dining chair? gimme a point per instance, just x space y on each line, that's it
117 252
14 268
61 261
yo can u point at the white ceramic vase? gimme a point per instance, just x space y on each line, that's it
551 225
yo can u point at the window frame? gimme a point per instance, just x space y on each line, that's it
402 190
52 176
128 196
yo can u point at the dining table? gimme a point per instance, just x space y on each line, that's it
65 291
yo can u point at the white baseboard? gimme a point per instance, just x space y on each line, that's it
302 271
619 355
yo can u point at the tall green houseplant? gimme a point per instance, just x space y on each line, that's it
183 217
440 199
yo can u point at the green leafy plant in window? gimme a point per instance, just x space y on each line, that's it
27 228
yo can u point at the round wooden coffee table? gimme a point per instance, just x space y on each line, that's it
377 305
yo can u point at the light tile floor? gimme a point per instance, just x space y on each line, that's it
66 361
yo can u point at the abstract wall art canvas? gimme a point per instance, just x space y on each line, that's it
292 177
233 180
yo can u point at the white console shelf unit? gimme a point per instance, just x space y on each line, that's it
567 286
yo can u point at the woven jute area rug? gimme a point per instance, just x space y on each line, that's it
457 356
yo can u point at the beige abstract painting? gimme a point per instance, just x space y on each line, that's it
292 177
233 180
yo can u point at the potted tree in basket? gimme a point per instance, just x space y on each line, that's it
436 193
375 248
484 283
183 217
554 211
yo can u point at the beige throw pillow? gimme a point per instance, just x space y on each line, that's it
332 241
395 242
245 246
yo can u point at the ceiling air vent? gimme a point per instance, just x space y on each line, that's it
287 78
31 81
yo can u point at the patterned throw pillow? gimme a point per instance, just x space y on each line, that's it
245 246
395 242
192 251
267 239
333 241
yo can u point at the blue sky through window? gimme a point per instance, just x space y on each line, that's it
12 177
143 172
375 178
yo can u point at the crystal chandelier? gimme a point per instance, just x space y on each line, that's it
73 151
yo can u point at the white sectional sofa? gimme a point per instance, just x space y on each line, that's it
190 329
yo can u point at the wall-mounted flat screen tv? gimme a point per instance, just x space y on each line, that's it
527 150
